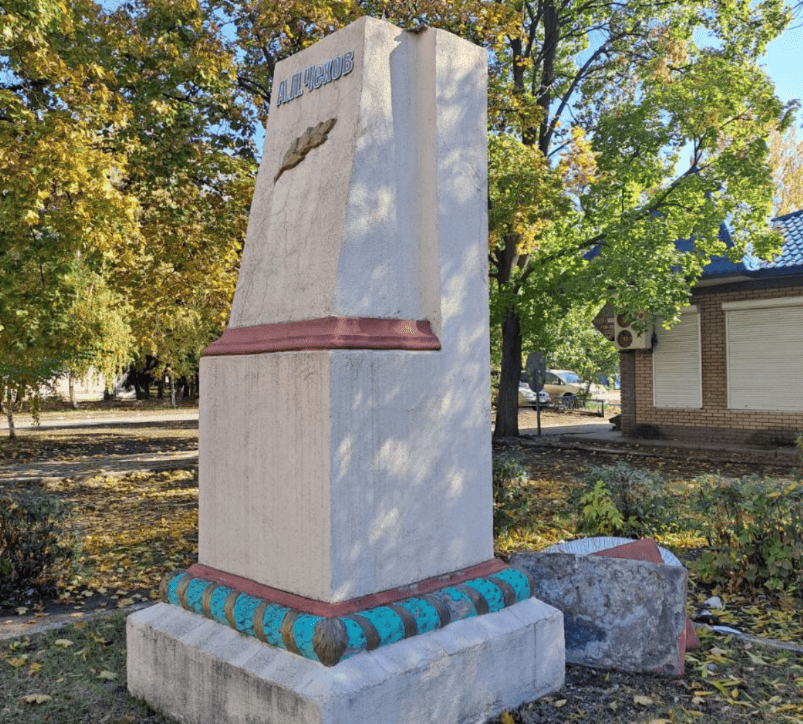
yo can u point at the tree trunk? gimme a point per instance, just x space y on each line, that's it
507 403
12 433
73 401
172 391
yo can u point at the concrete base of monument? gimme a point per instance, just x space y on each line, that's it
201 672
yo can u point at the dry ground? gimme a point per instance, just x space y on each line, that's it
138 525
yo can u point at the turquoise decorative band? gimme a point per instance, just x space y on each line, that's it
330 640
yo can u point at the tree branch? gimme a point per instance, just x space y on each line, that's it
252 86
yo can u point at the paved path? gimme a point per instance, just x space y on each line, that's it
552 426
80 419
108 463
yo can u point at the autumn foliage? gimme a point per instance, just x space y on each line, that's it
37 545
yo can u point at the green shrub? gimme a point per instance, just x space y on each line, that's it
511 500
36 547
621 500
508 470
799 446
599 515
753 527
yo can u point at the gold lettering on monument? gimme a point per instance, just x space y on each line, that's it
311 138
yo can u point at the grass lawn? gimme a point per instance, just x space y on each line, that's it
70 675
133 528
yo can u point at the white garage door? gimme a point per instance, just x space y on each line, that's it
765 354
676 371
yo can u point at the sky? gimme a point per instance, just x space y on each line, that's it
784 63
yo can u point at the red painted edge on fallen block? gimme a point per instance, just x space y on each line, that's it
645 549
344 608
326 333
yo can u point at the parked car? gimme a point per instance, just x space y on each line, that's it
565 383
527 397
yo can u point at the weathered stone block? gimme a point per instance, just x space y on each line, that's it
618 614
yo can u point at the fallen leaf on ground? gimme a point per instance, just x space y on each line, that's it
643 700
35 698
62 643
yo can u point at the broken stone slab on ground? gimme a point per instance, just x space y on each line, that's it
620 614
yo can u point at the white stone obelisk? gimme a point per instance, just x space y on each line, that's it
357 470
345 457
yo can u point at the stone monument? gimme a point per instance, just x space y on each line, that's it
346 568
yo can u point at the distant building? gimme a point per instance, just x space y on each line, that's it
732 369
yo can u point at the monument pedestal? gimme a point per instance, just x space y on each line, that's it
202 672
346 568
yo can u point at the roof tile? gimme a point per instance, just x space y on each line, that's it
789 261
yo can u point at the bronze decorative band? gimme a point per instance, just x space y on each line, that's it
407 619
372 638
444 615
507 590
228 609
326 333
343 608
181 591
332 638
286 631
259 621
206 599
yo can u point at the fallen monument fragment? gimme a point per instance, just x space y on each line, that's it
623 606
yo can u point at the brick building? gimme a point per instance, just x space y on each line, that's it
732 369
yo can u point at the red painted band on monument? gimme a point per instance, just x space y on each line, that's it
326 333
343 608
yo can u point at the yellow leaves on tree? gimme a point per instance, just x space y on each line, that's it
786 161
578 165
523 192
65 212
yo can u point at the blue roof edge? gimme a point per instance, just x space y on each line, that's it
788 263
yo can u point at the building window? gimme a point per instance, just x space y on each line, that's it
676 366
764 341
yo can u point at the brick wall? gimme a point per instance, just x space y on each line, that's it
714 422
627 373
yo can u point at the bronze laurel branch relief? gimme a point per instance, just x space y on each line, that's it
311 138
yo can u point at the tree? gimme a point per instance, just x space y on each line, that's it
127 164
62 212
575 344
191 167
127 175
786 160
588 138
654 137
